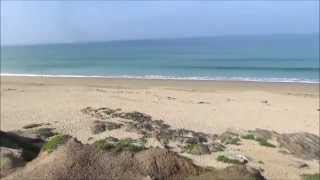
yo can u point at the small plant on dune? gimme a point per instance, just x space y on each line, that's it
264 142
129 145
260 162
122 145
311 176
225 159
53 144
232 140
248 136
193 149
103 145
235 141
261 141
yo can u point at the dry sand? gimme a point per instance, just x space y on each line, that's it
206 106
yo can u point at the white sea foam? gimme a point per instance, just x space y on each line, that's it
160 77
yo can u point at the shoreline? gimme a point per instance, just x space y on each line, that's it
185 85
176 78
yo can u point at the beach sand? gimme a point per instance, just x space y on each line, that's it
205 106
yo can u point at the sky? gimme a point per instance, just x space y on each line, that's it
42 22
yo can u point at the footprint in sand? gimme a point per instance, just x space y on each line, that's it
203 102
171 98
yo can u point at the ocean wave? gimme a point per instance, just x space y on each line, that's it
251 68
161 77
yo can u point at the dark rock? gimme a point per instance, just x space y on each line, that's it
111 125
241 172
300 165
10 160
302 145
197 149
135 116
171 98
147 126
37 135
132 127
45 133
107 111
10 89
203 102
196 140
159 124
229 138
98 127
33 125
192 140
29 134
183 133
215 147
30 147
99 113
87 110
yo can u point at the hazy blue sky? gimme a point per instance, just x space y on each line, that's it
29 22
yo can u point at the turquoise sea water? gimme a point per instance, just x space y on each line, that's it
276 58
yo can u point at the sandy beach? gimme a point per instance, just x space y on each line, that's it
204 106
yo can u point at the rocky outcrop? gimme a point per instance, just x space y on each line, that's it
97 127
30 147
40 134
16 151
302 145
101 126
10 160
186 140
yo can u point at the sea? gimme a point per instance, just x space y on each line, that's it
266 58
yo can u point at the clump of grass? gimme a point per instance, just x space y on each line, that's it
53 144
225 159
264 142
261 141
103 145
232 140
235 141
189 148
248 136
311 176
196 149
129 145
260 162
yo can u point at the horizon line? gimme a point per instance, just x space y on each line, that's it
151 39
